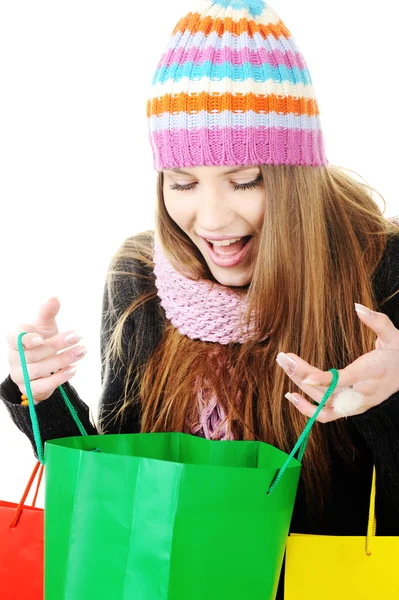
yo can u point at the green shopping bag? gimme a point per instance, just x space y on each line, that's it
165 516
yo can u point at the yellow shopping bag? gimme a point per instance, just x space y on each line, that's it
344 567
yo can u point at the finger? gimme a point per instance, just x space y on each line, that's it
294 365
26 339
306 408
303 372
47 313
52 373
50 346
54 344
48 365
364 368
380 323
43 388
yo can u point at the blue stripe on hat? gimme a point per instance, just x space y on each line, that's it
254 7
234 72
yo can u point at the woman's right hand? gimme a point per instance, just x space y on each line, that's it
46 369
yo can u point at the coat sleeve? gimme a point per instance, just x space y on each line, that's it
379 426
55 420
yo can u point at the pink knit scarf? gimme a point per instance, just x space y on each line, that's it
201 310
206 311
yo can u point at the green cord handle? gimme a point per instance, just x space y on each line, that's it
303 438
32 410
300 445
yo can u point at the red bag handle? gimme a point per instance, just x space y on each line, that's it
20 506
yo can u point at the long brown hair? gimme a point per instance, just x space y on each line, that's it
322 238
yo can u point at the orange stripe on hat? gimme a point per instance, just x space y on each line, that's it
193 23
193 103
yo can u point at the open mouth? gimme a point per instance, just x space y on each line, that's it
229 255
223 249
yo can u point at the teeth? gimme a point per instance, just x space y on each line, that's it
224 242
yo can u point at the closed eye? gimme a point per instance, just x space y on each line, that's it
238 186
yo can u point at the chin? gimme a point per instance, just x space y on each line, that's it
230 278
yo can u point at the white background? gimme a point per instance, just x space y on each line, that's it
76 173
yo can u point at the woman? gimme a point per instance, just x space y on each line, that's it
261 249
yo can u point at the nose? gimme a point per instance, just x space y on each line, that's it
214 212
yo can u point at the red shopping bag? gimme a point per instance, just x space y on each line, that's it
21 546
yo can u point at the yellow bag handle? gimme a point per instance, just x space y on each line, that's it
372 524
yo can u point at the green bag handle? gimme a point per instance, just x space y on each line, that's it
32 410
303 438
300 445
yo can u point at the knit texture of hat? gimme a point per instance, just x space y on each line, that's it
232 88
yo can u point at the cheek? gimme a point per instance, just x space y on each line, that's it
183 211
255 212
178 210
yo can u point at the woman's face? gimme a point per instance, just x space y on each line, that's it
219 204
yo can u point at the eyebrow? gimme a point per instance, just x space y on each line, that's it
236 170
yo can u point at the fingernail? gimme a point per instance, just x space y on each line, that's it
70 371
80 351
363 310
292 398
37 341
73 337
286 363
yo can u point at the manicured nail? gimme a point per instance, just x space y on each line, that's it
80 351
286 363
69 372
363 310
73 338
292 399
37 341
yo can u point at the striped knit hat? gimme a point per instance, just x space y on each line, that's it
232 88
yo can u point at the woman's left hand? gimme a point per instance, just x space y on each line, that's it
375 374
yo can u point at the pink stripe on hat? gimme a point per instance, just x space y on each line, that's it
239 55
